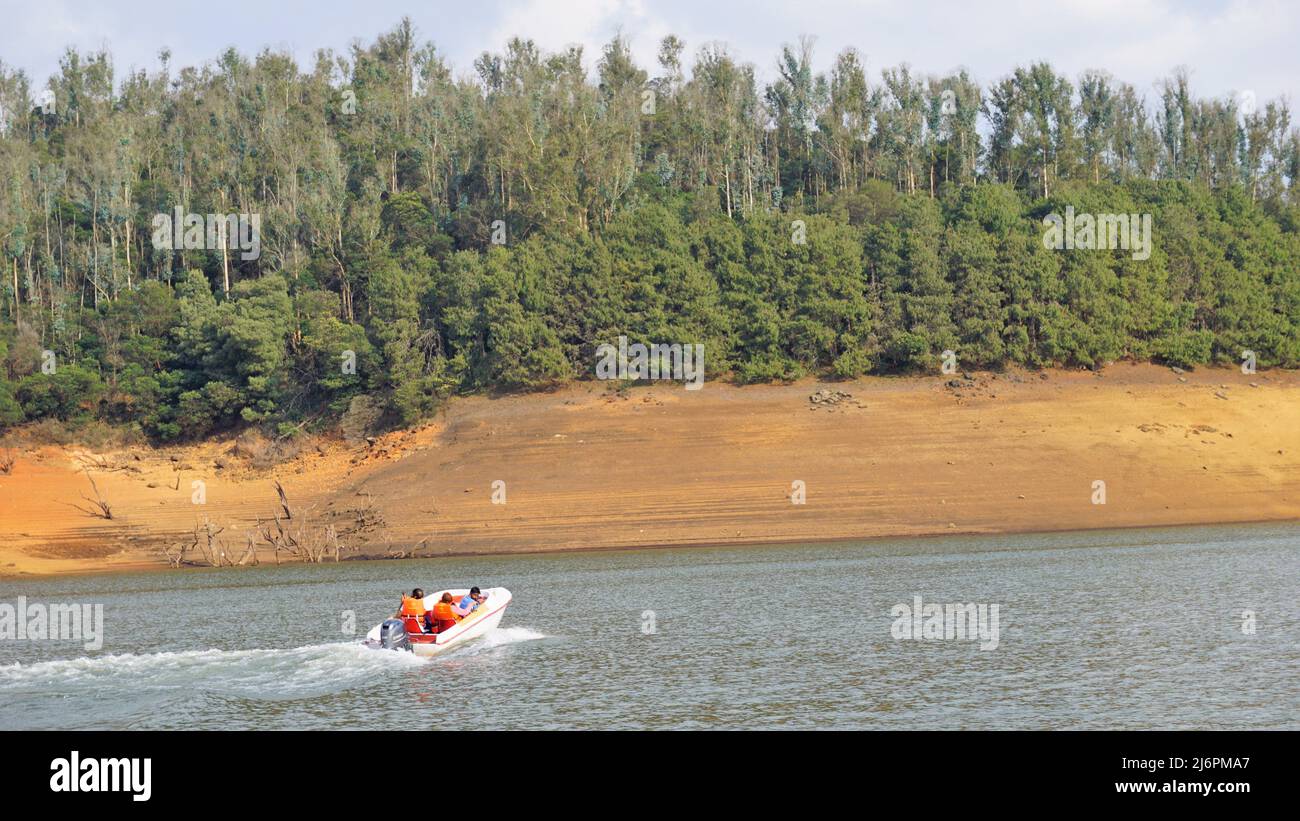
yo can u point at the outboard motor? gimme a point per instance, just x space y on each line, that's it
392 635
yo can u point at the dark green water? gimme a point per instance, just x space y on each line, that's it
1120 629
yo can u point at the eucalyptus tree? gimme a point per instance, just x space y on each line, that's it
1262 148
722 98
1136 142
1097 119
612 155
903 132
952 118
1049 128
1003 107
1175 121
16 162
795 99
847 123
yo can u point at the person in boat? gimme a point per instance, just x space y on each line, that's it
443 615
469 602
412 605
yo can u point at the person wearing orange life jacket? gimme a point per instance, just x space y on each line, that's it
413 606
442 616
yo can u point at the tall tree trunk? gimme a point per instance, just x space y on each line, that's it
726 173
225 246
126 202
94 243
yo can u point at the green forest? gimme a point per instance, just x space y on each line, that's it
455 229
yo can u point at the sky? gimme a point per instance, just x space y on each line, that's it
1229 46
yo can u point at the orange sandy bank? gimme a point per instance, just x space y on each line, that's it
587 468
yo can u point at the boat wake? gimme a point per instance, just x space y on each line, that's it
296 672
288 673
501 637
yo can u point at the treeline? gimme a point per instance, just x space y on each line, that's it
423 234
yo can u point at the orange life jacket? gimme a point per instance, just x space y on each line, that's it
412 606
442 612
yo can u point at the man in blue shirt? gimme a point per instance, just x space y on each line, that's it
470 602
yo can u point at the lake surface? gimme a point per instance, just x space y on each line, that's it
1114 629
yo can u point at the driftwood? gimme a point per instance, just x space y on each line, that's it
250 551
212 549
284 501
295 538
407 554
298 538
300 541
208 549
178 554
101 508
364 519
103 464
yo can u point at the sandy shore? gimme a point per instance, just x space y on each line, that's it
587 468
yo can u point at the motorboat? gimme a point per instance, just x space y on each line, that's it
410 633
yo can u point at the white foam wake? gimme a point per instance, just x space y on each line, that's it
502 636
288 673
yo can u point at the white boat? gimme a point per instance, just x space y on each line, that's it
411 634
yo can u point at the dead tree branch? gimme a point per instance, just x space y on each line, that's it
101 508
